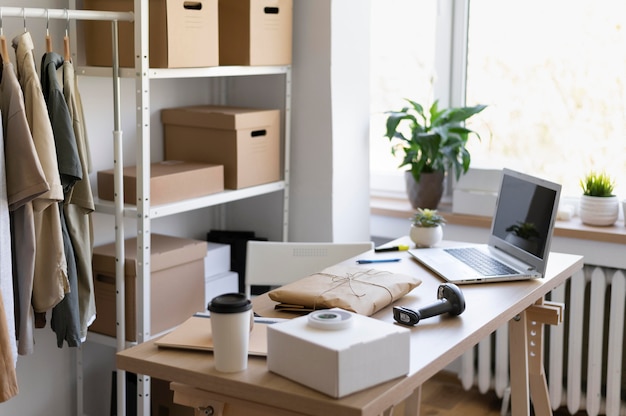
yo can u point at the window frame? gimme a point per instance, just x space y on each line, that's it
451 34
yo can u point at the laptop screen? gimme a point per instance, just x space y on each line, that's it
525 215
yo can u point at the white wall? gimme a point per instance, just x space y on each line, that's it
329 169
329 158
329 194
350 119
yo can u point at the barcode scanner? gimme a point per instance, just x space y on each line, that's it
450 300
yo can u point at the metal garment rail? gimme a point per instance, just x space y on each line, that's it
113 17
65 14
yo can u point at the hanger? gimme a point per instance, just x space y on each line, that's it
3 43
48 38
66 39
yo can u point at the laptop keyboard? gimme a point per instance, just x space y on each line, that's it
479 261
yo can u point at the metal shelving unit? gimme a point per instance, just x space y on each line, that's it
159 211
144 212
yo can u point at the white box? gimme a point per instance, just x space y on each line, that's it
217 259
338 362
218 284
480 180
480 203
476 192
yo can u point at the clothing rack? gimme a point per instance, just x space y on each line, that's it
65 14
113 17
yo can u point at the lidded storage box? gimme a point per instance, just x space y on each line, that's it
182 34
246 141
170 181
176 284
255 32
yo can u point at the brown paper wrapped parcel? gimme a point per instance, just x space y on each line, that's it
361 290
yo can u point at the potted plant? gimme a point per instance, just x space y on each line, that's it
426 227
598 204
431 143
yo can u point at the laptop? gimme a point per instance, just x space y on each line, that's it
519 242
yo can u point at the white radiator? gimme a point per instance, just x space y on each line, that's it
583 357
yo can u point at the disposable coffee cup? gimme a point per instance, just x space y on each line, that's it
230 327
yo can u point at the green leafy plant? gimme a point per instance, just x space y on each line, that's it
597 184
525 230
427 218
435 140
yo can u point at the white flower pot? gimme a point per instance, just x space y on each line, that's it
426 236
598 210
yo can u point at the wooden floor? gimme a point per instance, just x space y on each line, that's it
443 395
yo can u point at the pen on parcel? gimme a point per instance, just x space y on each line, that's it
394 248
377 261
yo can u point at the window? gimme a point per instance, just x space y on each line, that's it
555 83
402 62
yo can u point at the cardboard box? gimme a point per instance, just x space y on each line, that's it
218 284
367 353
176 284
255 32
170 181
181 34
245 140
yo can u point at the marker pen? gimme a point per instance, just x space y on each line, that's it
394 248
377 261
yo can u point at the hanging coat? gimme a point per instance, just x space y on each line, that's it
50 283
8 377
25 182
65 317
80 206
7 331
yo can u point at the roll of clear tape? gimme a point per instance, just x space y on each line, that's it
330 319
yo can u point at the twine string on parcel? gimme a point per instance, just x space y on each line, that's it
353 288
349 278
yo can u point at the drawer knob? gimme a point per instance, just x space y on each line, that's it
205 411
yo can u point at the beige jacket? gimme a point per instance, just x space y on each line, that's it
50 281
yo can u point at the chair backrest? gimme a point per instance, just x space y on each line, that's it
270 263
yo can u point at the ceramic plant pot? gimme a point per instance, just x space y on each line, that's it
426 236
427 192
598 210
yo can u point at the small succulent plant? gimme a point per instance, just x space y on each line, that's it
427 218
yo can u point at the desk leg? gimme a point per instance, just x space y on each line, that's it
518 353
528 379
412 403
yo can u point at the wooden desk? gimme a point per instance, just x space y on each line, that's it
435 343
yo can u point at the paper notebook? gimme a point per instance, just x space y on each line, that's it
195 334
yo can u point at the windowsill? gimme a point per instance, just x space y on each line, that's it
400 208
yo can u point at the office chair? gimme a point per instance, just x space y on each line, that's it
270 263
